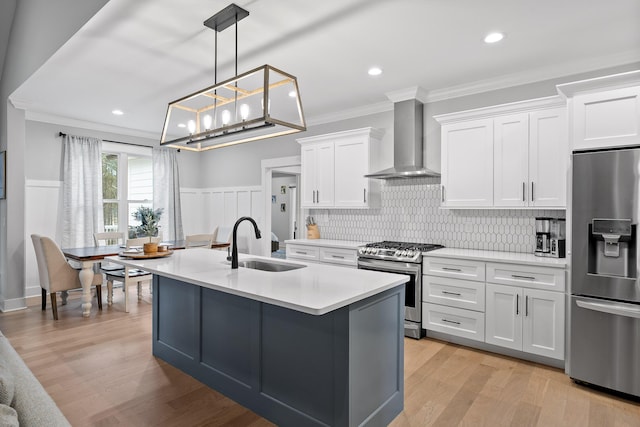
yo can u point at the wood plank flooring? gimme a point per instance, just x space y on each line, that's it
100 372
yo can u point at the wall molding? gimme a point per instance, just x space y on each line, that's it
13 304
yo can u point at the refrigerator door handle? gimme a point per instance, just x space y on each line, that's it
617 309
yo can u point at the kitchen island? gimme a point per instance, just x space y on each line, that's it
317 345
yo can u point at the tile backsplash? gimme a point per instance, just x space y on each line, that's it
410 211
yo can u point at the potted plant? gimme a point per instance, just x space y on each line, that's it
149 224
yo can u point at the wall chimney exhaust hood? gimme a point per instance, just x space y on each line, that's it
408 128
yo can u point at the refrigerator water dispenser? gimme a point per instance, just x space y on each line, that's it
612 250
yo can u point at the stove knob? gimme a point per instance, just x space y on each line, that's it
403 253
371 250
409 253
398 253
374 251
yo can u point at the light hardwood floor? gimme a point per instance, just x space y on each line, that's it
100 372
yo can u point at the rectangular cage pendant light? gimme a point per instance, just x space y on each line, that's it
261 103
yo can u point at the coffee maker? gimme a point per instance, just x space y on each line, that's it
543 236
550 237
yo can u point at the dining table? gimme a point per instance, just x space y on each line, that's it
90 255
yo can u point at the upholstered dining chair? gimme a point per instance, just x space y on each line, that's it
129 276
56 274
198 240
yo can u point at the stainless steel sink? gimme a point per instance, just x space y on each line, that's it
264 265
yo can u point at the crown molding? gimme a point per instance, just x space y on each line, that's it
83 124
533 76
414 92
352 113
494 110
615 81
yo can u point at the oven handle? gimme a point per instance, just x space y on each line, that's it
617 309
399 267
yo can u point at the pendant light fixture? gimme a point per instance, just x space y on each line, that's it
258 104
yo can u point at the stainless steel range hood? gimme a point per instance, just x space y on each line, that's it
408 159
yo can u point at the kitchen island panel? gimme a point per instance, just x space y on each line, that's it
344 368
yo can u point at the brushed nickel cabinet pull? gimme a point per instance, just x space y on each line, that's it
451 321
532 191
517 304
452 269
452 293
515 276
301 253
526 305
318 195
314 196
337 256
365 195
443 194
523 188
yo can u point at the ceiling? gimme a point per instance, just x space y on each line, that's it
139 55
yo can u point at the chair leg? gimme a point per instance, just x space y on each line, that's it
109 293
54 305
139 291
44 299
64 295
99 296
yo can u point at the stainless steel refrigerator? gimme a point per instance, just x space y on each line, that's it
604 343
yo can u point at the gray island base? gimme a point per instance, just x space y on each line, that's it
342 368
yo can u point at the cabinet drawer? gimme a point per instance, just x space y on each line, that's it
339 256
527 276
453 321
454 268
454 292
310 253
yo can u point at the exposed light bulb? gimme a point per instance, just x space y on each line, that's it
207 122
226 117
268 105
244 111
182 125
192 126
292 94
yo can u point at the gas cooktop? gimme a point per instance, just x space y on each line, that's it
396 251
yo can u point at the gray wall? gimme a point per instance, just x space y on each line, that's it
43 151
38 29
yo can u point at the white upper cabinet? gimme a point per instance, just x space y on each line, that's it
510 156
334 166
507 156
605 111
467 164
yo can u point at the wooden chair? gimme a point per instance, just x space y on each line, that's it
109 238
128 276
56 274
198 240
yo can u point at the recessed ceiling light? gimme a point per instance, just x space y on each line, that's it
493 37
375 71
292 94
117 112
182 125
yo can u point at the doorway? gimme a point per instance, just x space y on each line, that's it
284 208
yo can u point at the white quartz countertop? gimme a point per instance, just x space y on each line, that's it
315 289
340 244
497 256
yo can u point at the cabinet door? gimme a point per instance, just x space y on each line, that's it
503 316
548 158
308 165
324 175
606 119
351 164
510 155
467 164
543 328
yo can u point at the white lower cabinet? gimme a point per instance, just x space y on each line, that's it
529 320
515 306
345 257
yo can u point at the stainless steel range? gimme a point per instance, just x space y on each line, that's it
402 258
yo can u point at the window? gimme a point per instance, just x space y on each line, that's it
127 183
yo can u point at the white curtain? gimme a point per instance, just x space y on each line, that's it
81 191
166 193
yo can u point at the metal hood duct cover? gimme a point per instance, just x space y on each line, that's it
407 142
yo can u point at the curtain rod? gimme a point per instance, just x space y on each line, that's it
61 134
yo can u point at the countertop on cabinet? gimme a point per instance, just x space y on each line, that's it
315 289
327 243
497 256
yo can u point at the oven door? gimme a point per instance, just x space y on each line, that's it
413 288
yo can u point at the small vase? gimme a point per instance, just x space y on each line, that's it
150 248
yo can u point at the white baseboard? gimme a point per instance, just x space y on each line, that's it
13 304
